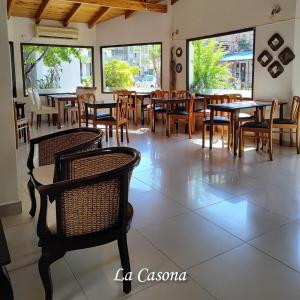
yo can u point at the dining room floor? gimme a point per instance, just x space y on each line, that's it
233 224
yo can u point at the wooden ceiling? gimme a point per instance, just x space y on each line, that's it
82 11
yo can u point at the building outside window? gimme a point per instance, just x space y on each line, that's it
56 69
132 67
222 64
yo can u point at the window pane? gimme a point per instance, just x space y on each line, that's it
135 67
222 64
57 69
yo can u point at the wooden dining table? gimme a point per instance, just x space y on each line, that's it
234 109
61 98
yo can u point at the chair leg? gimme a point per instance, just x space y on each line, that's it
190 128
125 262
31 189
241 141
203 135
106 134
48 119
270 147
31 119
44 269
117 134
37 122
257 141
127 135
228 137
297 141
291 138
28 133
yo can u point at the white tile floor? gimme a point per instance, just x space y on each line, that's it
233 224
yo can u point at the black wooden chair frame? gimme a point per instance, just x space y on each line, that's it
33 183
54 246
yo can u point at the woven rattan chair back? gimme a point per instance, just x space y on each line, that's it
93 207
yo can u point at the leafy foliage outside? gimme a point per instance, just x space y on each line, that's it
52 57
209 73
155 60
119 74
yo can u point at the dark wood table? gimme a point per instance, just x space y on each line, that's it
60 99
5 285
100 104
234 109
20 108
142 97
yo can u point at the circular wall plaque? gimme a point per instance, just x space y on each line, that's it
179 68
179 52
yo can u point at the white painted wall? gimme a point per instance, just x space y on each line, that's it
8 175
140 28
207 17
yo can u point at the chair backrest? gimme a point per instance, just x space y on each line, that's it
273 111
31 96
117 93
81 90
37 99
295 109
219 99
52 146
180 94
94 196
235 97
122 109
160 94
80 103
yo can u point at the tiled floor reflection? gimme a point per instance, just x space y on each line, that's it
232 224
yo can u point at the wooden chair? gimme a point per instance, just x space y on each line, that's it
201 112
263 130
219 119
132 102
177 115
38 109
91 208
159 110
20 126
50 147
119 120
293 123
180 94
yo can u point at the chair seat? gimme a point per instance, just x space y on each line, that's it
44 174
201 110
218 120
160 109
23 121
178 113
264 124
45 110
51 217
284 121
246 116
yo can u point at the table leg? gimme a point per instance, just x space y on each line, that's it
235 132
153 116
142 111
110 126
58 116
281 130
211 127
122 134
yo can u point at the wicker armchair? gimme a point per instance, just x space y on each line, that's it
91 206
50 148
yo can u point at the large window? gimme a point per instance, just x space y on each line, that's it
132 67
222 64
56 69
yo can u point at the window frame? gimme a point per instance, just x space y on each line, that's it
128 45
54 45
13 69
218 35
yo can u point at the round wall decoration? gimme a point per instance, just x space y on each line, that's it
179 68
179 52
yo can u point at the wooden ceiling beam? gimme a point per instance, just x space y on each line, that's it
129 13
73 12
126 5
41 11
97 17
10 5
